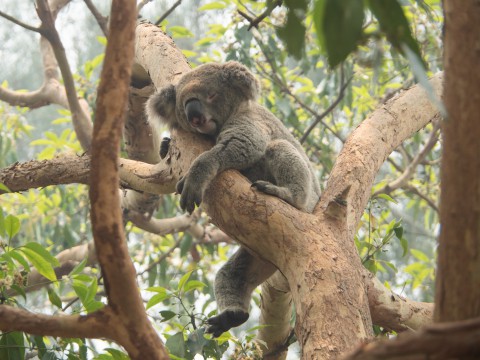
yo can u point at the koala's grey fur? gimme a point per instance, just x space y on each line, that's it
219 100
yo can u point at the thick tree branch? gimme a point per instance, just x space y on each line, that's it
370 144
140 340
455 340
73 326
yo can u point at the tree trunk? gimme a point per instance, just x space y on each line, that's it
457 288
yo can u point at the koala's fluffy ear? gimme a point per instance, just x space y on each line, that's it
161 107
239 77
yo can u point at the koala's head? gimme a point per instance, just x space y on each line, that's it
205 97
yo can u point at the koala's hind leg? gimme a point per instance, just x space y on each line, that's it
291 173
234 285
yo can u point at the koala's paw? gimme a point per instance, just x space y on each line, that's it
217 325
190 195
164 145
265 187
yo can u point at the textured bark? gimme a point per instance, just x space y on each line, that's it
140 338
457 288
458 340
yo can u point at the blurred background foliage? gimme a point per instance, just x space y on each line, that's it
324 67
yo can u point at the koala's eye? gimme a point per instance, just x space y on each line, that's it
211 97
189 100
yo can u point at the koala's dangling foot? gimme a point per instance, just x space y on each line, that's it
224 321
164 145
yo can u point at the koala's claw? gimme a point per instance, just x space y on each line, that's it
164 145
189 196
224 321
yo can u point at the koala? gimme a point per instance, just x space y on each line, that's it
219 101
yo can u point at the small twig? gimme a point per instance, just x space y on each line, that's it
20 23
424 197
161 258
274 77
168 12
101 20
403 179
332 106
255 21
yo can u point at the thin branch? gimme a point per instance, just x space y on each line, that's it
429 201
101 20
20 23
168 12
141 4
410 169
275 78
162 257
332 106
80 119
254 22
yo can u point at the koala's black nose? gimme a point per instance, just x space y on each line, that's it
194 112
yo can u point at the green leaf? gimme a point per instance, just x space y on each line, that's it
419 255
54 298
20 291
42 348
12 225
398 232
196 341
39 249
293 35
339 27
176 345
216 5
117 354
12 346
393 22
180 31
39 263
387 197
93 306
167 314
193 284
183 280
4 188
17 255
80 289
404 244
78 268
157 298
2 223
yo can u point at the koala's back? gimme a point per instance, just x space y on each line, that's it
275 130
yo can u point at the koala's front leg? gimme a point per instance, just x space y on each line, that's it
193 185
